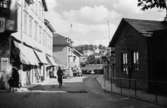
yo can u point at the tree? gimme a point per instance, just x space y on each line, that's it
91 59
149 4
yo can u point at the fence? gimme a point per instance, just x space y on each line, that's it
151 91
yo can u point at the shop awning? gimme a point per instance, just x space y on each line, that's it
42 57
27 55
51 60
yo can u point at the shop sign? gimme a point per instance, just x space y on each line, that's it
2 24
4 64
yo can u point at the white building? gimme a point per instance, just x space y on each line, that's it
62 51
32 42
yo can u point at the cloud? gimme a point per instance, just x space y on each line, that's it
90 15
89 18
127 7
94 34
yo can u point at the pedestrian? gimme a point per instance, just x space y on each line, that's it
14 79
60 76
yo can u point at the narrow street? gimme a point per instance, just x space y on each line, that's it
78 92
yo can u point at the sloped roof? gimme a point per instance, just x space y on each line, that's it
77 52
60 40
144 27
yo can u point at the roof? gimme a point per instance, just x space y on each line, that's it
50 26
60 40
44 4
76 52
144 27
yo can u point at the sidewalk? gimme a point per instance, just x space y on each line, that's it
140 95
70 85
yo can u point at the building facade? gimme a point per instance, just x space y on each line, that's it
31 43
62 51
75 61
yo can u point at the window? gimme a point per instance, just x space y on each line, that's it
74 58
25 23
30 26
35 32
40 35
136 61
4 3
125 63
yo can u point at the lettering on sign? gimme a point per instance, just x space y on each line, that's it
2 24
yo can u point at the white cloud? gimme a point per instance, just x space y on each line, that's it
127 6
89 15
89 18
92 34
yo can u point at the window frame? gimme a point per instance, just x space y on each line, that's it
136 60
124 62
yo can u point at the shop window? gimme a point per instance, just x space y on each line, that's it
125 63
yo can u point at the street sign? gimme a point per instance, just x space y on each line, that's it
2 24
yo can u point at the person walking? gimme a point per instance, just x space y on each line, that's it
60 76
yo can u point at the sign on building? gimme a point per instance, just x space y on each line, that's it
4 64
2 24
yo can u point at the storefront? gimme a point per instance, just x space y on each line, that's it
52 67
42 64
29 64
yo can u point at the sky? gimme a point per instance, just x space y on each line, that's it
94 21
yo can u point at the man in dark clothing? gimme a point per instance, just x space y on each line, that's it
60 76
14 80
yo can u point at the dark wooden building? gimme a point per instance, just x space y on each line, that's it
141 54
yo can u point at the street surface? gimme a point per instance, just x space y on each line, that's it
78 92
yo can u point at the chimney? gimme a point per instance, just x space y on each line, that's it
165 19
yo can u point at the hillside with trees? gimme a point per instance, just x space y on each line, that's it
81 48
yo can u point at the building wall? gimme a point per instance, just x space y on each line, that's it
31 27
158 62
33 32
130 40
75 60
60 53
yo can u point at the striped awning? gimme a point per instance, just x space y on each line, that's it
51 60
41 57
